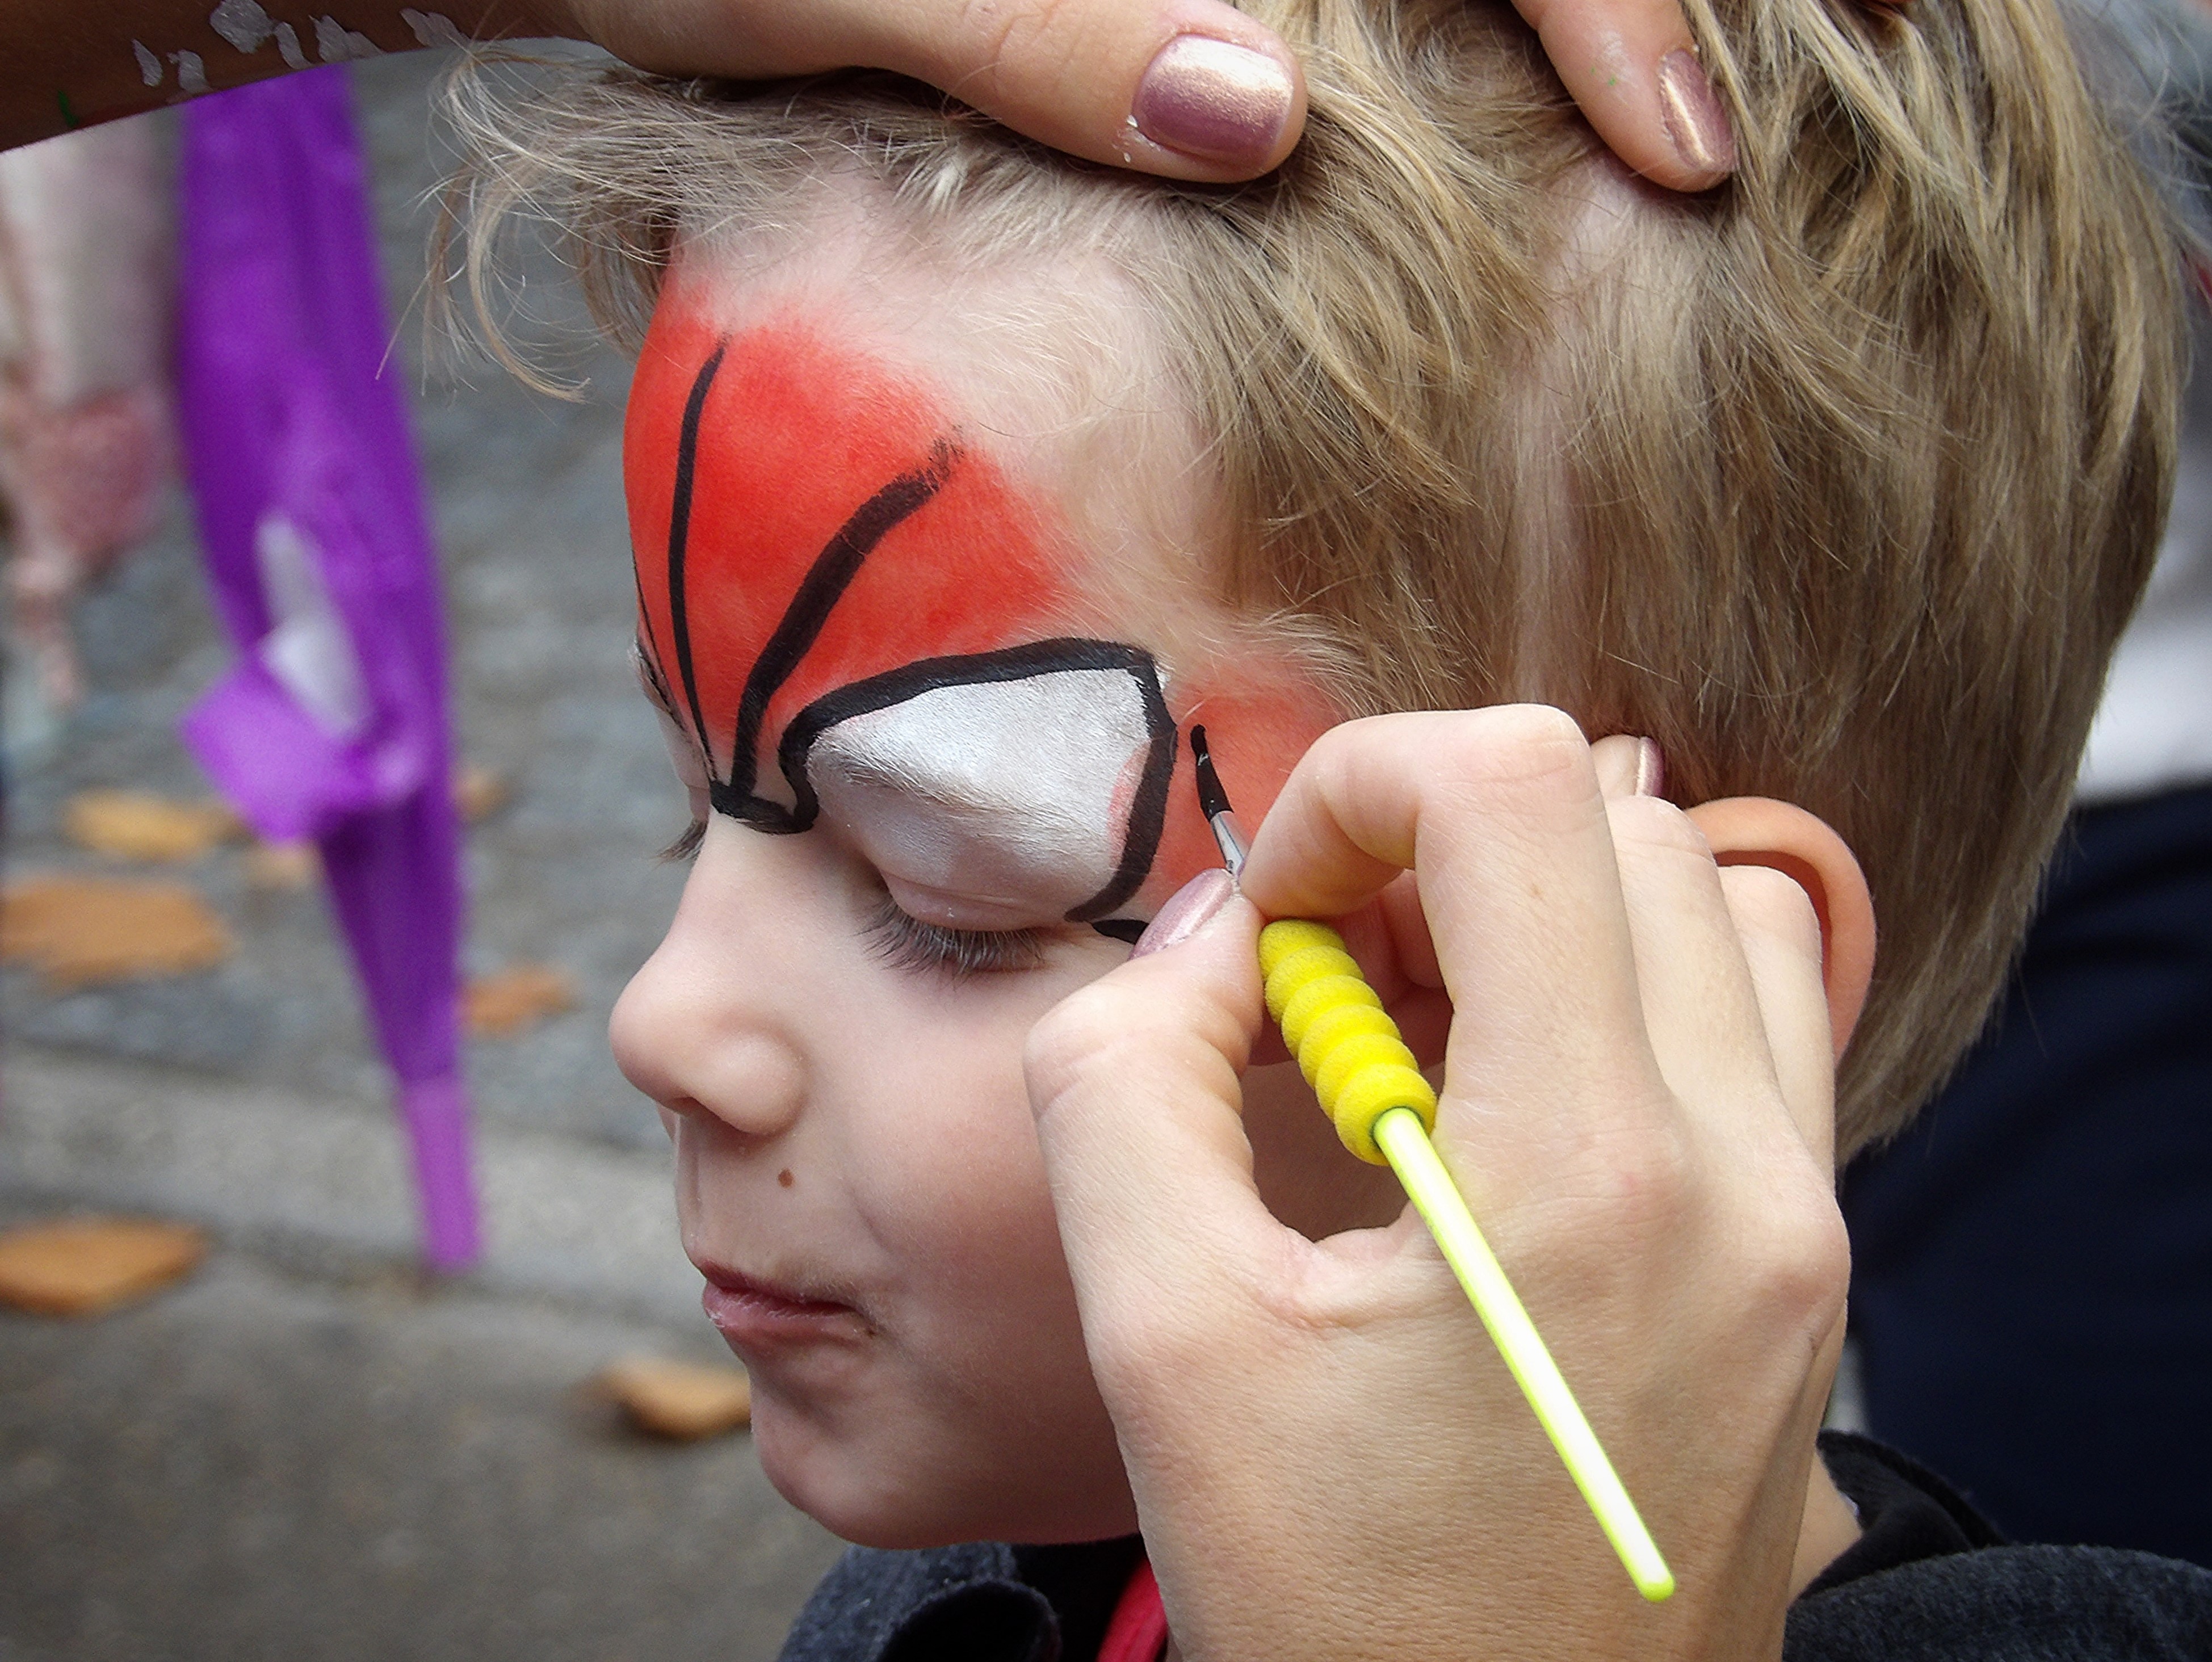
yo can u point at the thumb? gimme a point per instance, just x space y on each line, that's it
1135 1080
1186 88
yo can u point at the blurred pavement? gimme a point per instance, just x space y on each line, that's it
305 1452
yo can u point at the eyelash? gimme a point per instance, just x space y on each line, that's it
906 942
901 939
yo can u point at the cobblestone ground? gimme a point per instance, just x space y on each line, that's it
306 1452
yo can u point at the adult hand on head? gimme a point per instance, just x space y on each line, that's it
1188 88
1329 1458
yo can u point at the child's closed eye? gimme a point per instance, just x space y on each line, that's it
906 942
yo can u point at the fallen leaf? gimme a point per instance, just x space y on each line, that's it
477 792
500 1005
679 1399
135 825
86 931
283 865
84 1266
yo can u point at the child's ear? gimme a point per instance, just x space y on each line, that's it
1757 830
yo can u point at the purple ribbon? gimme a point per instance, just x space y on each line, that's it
333 725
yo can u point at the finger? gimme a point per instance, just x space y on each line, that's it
1700 1009
1406 928
1186 88
1627 766
1390 939
1633 65
1780 935
1134 1082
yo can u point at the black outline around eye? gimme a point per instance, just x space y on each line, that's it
1148 809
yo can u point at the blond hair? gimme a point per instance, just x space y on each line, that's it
1839 481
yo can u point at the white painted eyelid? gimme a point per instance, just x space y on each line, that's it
1013 795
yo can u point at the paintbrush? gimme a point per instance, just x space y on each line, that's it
1367 1080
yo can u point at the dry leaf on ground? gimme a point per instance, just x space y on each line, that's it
503 1005
83 1266
477 792
84 931
283 865
679 1399
136 825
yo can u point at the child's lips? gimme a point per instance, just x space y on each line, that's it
756 1315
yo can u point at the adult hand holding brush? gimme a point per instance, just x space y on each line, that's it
1329 1457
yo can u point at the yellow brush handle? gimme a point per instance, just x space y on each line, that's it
1347 1047
1351 1053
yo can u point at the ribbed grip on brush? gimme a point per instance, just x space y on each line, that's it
1347 1046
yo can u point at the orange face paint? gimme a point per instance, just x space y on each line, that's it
748 459
857 616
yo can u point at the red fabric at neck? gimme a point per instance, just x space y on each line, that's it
1139 1631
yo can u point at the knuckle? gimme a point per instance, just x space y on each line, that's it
1518 740
1015 40
1640 1185
1649 1179
1108 1034
1803 1270
1772 903
1654 823
1513 746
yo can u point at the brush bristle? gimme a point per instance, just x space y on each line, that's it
1211 798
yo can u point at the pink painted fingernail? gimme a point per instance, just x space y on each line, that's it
1186 912
1650 768
1209 99
1694 117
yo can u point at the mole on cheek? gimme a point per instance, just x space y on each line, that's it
784 1177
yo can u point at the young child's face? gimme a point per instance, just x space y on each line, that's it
921 608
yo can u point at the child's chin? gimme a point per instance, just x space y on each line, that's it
852 1496
903 1504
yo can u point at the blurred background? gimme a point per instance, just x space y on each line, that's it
305 1447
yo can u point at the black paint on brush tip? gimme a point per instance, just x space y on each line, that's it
1211 798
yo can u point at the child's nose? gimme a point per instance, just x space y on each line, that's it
702 1030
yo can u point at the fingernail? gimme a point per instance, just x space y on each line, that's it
1695 121
1186 912
1650 768
1207 98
